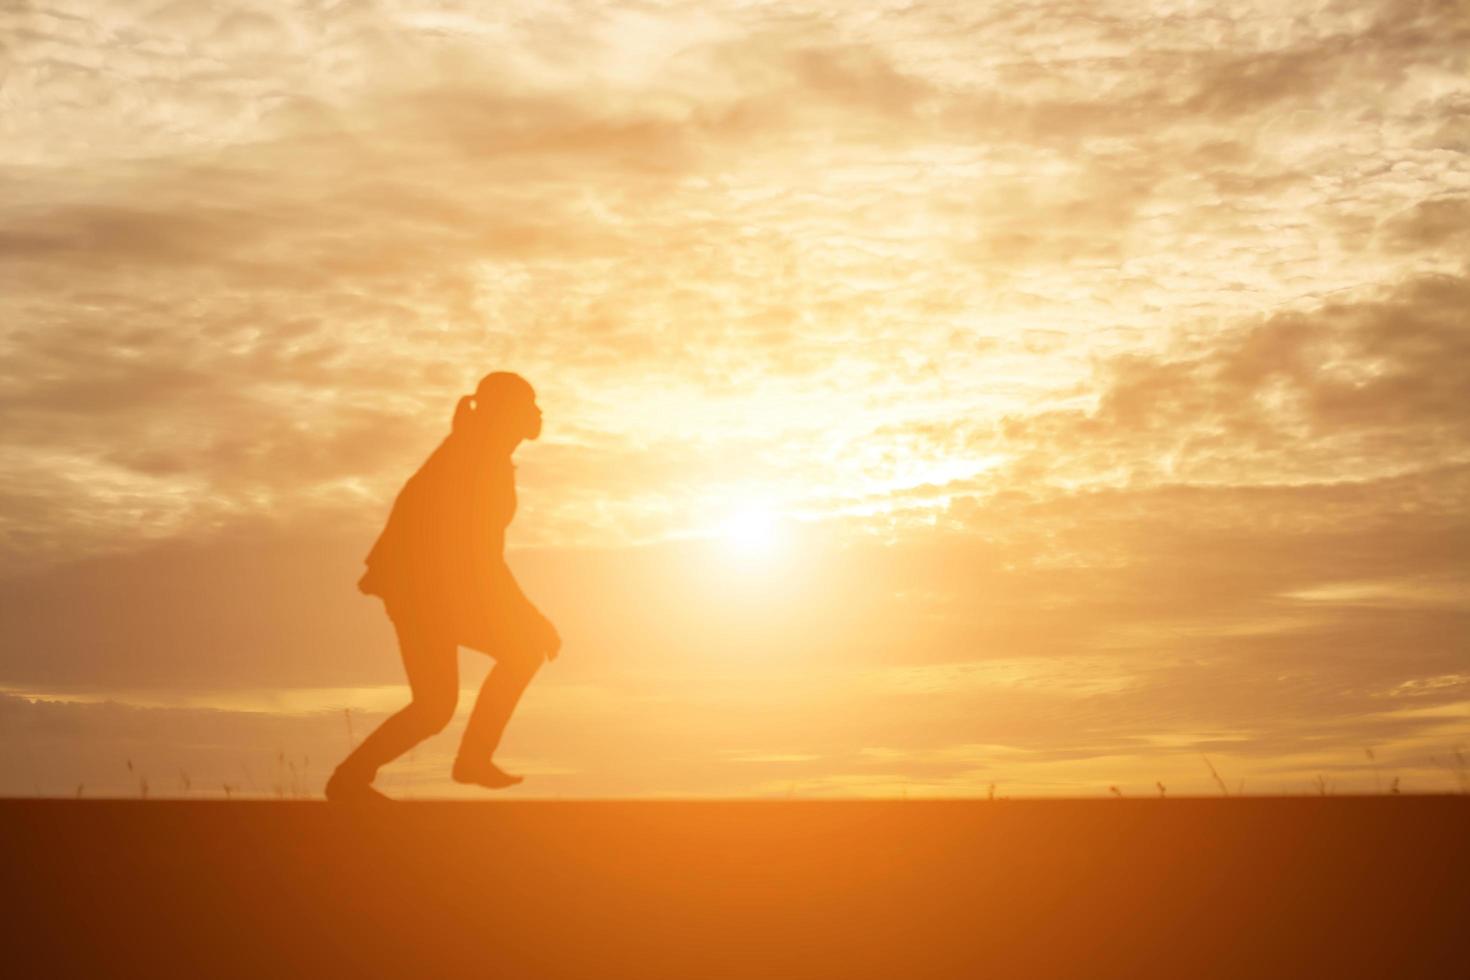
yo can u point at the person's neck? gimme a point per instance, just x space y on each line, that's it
489 444
500 446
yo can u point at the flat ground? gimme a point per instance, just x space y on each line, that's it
1180 888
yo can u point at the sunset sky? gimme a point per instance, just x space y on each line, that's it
1043 395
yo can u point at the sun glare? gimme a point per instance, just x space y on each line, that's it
751 532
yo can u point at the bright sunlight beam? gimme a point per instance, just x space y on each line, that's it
751 532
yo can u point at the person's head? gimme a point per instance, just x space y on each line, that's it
502 411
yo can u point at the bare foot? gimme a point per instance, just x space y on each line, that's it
342 788
486 774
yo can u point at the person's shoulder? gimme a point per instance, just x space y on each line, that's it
439 465
452 451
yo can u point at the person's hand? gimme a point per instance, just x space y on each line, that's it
548 638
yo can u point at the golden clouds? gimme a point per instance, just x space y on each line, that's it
801 229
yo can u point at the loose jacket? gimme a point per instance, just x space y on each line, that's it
441 556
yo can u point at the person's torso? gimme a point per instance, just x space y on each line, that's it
450 517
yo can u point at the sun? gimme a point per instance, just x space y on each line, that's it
751 532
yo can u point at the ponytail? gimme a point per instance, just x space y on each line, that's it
464 414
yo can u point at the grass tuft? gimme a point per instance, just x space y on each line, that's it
1224 790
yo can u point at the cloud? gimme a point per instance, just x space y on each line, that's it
354 247
1438 223
1361 388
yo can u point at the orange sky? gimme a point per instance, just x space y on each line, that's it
1101 369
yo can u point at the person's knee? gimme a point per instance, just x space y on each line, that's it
524 661
434 713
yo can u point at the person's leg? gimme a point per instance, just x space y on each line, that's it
432 665
498 697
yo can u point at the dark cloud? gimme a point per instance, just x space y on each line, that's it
1363 387
1439 223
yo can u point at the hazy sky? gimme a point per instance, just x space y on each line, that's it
1100 369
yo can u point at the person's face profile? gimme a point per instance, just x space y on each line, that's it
533 419
512 415
524 416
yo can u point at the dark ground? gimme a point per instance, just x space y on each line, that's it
1180 888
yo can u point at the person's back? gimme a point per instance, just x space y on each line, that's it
445 535
420 531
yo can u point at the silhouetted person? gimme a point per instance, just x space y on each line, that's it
439 567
